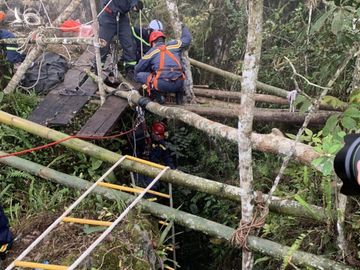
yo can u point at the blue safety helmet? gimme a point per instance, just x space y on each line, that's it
156 25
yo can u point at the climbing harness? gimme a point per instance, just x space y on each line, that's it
152 79
64 218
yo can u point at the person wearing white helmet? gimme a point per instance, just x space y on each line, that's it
142 39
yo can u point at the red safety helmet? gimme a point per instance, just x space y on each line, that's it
155 35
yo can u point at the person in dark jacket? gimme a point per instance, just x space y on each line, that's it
6 238
160 68
114 21
10 49
142 37
158 153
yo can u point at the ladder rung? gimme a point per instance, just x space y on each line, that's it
87 221
169 248
136 190
146 162
40 265
169 268
152 199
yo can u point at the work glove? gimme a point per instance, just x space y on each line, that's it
139 6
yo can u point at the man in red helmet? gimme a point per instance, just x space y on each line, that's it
160 68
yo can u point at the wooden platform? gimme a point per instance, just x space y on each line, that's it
105 117
59 107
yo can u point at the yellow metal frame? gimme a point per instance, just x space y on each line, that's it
87 221
135 190
40 265
146 162
163 223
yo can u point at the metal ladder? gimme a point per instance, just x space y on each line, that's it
111 225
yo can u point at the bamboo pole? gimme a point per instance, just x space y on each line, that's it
177 177
36 51
229 75
190 221
51 40
260 115
97 50
261 142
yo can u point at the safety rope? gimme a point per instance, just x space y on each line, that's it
141 35
66 139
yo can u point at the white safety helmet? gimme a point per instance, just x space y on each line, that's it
156 25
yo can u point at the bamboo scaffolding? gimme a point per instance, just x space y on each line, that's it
261 142
51 40
286 207
187 220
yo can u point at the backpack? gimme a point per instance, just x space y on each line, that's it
53 68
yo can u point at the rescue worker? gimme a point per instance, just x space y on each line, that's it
6 238
142 39
160 68
159 153
115 21
12 55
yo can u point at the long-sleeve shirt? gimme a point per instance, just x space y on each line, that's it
122 6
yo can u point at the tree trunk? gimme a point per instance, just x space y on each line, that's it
190 221
36 51
262 142
97 49
220 94
355 85
260 115
177 26
250 72
172 176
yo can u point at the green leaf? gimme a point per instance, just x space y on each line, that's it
95 164
92 229
348 123
316 162
338 22
330 124
352 112
321 21
327 168
1 96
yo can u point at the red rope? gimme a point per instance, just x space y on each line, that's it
66 139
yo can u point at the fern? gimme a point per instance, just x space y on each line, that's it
294 247
20 174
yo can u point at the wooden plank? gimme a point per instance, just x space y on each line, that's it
57 109
105 117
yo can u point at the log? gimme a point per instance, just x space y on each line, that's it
260 115
172 176
182 218
221 94
36 51
262 86
261 142
226 74
52 40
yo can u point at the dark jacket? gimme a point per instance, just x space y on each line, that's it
122 6
151 61
5 234
11 54
141 38
160 154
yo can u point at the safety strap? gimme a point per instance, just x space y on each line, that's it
154 77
